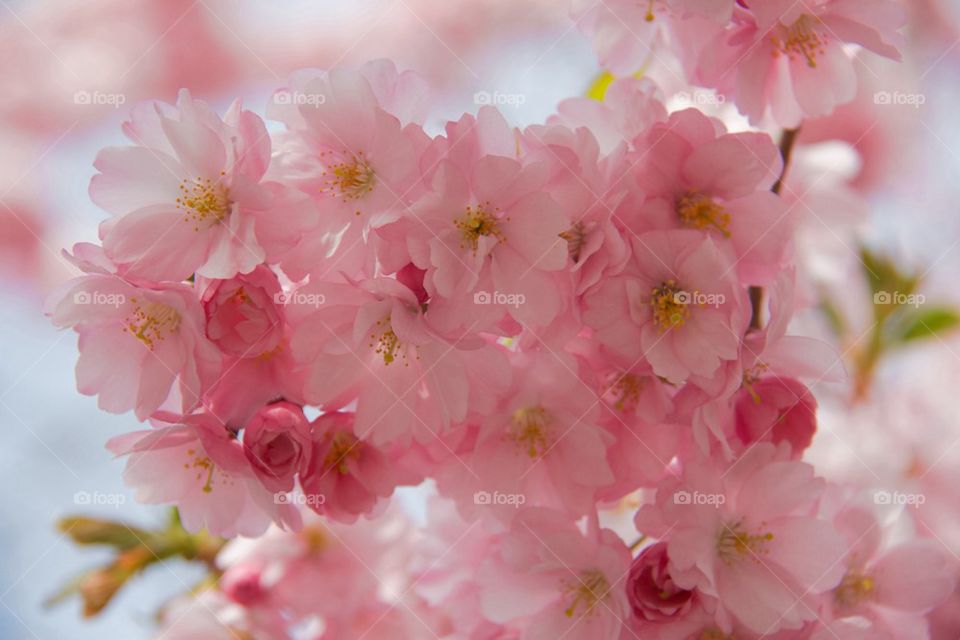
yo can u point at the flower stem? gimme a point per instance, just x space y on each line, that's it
787 140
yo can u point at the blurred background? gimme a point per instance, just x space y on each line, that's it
876 189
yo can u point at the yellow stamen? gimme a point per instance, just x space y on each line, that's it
802 39
205 202
853 589
477 222
385 343
589 589
625 389
314 539
670 310
530 430
698 211
735 543
750 378
344 446
203 465
351 179
576 237
649 17
152 322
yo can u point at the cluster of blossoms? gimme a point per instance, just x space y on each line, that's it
789 59
542 321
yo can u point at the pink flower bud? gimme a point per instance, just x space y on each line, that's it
243 317
277 443
650 589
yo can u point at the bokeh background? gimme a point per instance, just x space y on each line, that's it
884 172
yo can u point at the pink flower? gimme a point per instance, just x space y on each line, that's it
325 568
547 579
371 342
276 441
586 186
694 175
191 197
243 318
487 224
745 534
883 577
775 409
348 148
243 585
136 343
447 580
789 56
629 35
246 384
197 464
629 108
542 446
677 306
650 589
348 476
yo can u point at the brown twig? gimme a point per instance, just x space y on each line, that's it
787 140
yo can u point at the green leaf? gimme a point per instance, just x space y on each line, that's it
883 276
925 323
833 315
94 531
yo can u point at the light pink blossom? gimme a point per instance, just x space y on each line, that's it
138 346
190 197
198 465
677 306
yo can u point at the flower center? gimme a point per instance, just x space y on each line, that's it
853 589
314 539
576 237
203 466
588 589
151 323
734 542
530 430
386 344
477 222
204 202
624 390
751 376
344 446
351 179
698 211
801 39
670 308
649 16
